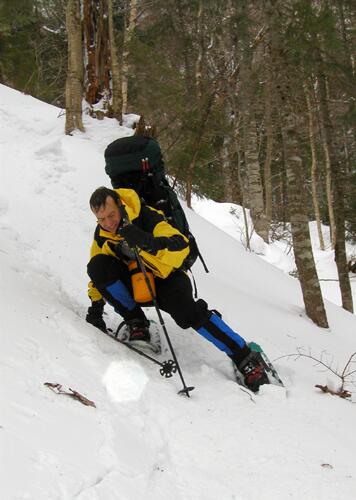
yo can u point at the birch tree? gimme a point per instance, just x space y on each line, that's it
249 104
314 166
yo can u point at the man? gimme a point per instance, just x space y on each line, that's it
124 223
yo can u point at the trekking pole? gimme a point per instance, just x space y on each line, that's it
185 389
167 368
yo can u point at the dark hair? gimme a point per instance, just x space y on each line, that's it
98 198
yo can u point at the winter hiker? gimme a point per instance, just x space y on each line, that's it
162 249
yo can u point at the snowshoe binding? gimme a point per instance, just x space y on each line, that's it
256 370
139 333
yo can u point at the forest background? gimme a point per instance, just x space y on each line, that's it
253 102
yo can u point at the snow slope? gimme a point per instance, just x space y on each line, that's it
229 217
143 441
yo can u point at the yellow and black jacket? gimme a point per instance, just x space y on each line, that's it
163 262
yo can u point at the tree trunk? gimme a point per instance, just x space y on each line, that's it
254 177
74 83
96 43
89 27
337 171
248 103
203 111
130 25
282 181
244 195
103 50
116 103
269 148
226 162
329 190
288 102
199 61
314 169
303 252
226 156
344 19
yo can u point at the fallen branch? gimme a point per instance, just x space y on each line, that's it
341 393
57 388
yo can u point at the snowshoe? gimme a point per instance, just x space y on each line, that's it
272 373
142 334
256 370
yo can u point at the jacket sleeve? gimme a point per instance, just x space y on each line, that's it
174 246
93 293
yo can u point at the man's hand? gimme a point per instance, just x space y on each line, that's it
135 236
95 315
123 251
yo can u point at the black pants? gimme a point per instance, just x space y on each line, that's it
174 295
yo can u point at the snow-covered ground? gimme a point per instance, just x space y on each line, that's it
143 441
229 218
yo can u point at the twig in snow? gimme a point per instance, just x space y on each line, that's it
57 388
341 393
345 374
246 392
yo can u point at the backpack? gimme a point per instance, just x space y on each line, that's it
136 162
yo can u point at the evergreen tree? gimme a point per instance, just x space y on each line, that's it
19 30
33 47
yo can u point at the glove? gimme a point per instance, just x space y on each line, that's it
123 251
95 315
135 236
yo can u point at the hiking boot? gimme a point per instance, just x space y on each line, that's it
253 371
138 330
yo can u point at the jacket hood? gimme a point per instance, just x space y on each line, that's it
131 201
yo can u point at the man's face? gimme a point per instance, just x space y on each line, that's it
108 215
